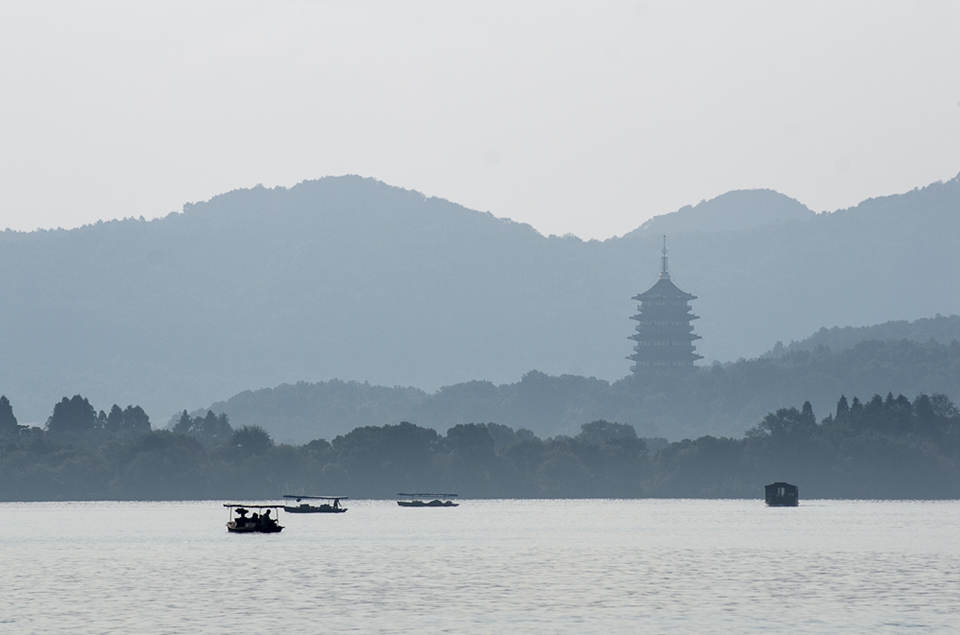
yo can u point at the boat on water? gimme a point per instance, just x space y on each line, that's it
782 494
306 508
256 523
426 499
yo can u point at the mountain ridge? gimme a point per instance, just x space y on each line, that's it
764 207
705 210
940 328
351 277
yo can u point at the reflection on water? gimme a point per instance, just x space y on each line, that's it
826 566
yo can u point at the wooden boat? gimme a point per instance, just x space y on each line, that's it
260 523
417 500
782 494
306 508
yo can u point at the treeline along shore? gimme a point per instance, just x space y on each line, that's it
884 447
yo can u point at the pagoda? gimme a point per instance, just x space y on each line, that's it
664 333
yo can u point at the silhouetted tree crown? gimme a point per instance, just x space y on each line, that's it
73 416
8 422
210 429
135 421
114 423
251 440
843 408
471 441
603 432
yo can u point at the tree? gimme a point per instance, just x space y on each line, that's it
369 446
251 440
943 407
843 408
856 409
184 424
471 441
923 408
8 422
503 436
210 429
135 421
603 432
114 424
216 429
785 422
806 414
73 416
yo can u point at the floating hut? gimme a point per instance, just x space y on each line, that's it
782 494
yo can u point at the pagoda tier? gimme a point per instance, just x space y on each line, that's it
664 334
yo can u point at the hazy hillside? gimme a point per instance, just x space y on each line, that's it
351 278
733 211
719 400
941 328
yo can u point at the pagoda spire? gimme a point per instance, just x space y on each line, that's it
664 270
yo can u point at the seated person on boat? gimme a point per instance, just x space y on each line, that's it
261 523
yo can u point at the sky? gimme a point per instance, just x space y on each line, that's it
575 117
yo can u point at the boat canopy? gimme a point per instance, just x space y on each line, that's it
325 498
252 506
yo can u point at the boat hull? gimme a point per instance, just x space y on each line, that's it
311 509
430 504
233 528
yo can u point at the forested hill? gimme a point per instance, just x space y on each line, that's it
943 329
891 447
720 400
348 277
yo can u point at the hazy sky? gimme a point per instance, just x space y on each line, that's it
582 117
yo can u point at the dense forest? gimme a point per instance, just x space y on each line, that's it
890 447
721 399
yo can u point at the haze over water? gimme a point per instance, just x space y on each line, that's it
563 565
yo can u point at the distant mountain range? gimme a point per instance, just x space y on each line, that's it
349 277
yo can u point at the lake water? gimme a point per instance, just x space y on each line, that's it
486 566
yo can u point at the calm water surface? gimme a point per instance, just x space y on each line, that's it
508 565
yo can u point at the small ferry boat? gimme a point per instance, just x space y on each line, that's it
419 500
257 523
307 508
782 494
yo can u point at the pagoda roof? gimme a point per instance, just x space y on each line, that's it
664 288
